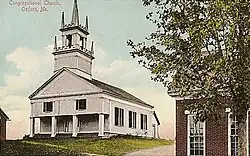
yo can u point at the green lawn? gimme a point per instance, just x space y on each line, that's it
110 147
21 148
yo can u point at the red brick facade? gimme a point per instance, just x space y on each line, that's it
216 133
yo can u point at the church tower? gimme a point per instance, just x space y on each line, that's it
73 54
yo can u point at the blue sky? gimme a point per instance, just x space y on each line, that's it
26 60
112 22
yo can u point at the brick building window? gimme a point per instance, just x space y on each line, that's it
234 136
132 119
196 137
47 106
119 116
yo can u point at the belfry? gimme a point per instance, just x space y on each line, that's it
74 54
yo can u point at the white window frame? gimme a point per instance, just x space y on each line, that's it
188 136
229 131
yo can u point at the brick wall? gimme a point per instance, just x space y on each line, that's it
216 133
181 129
3 129
217 137
249 131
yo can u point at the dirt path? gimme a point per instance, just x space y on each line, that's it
158 151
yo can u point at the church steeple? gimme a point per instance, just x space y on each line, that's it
75 14
74 54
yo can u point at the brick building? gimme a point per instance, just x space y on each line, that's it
208 138
3 119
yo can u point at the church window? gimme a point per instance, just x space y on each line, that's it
132 119
81 104
144 121
69 40
47 106
81 42
119 116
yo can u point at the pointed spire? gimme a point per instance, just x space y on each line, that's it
55 45
75 15
87 23
62 24
92 47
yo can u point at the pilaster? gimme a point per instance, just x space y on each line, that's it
53 126
75 122
32 128
101 125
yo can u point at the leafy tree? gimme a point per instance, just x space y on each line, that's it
200 49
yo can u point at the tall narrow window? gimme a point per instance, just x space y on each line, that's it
47 106
132 119
234 136
196 140
81 104
69 40
144 122
82 43
119 116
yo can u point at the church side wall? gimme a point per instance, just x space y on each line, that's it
125 129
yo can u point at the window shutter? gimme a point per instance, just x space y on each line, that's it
141 121
130 119
116 116
77 105
134 119
44 105
122 117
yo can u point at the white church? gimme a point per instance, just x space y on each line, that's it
71 103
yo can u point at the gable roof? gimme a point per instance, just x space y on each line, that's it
2 114
46 83
107 88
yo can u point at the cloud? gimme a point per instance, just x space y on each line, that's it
35 67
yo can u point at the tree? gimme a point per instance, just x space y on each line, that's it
201 48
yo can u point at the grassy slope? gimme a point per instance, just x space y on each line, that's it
111 147
14 148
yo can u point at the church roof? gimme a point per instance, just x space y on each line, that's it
107 88
116 92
